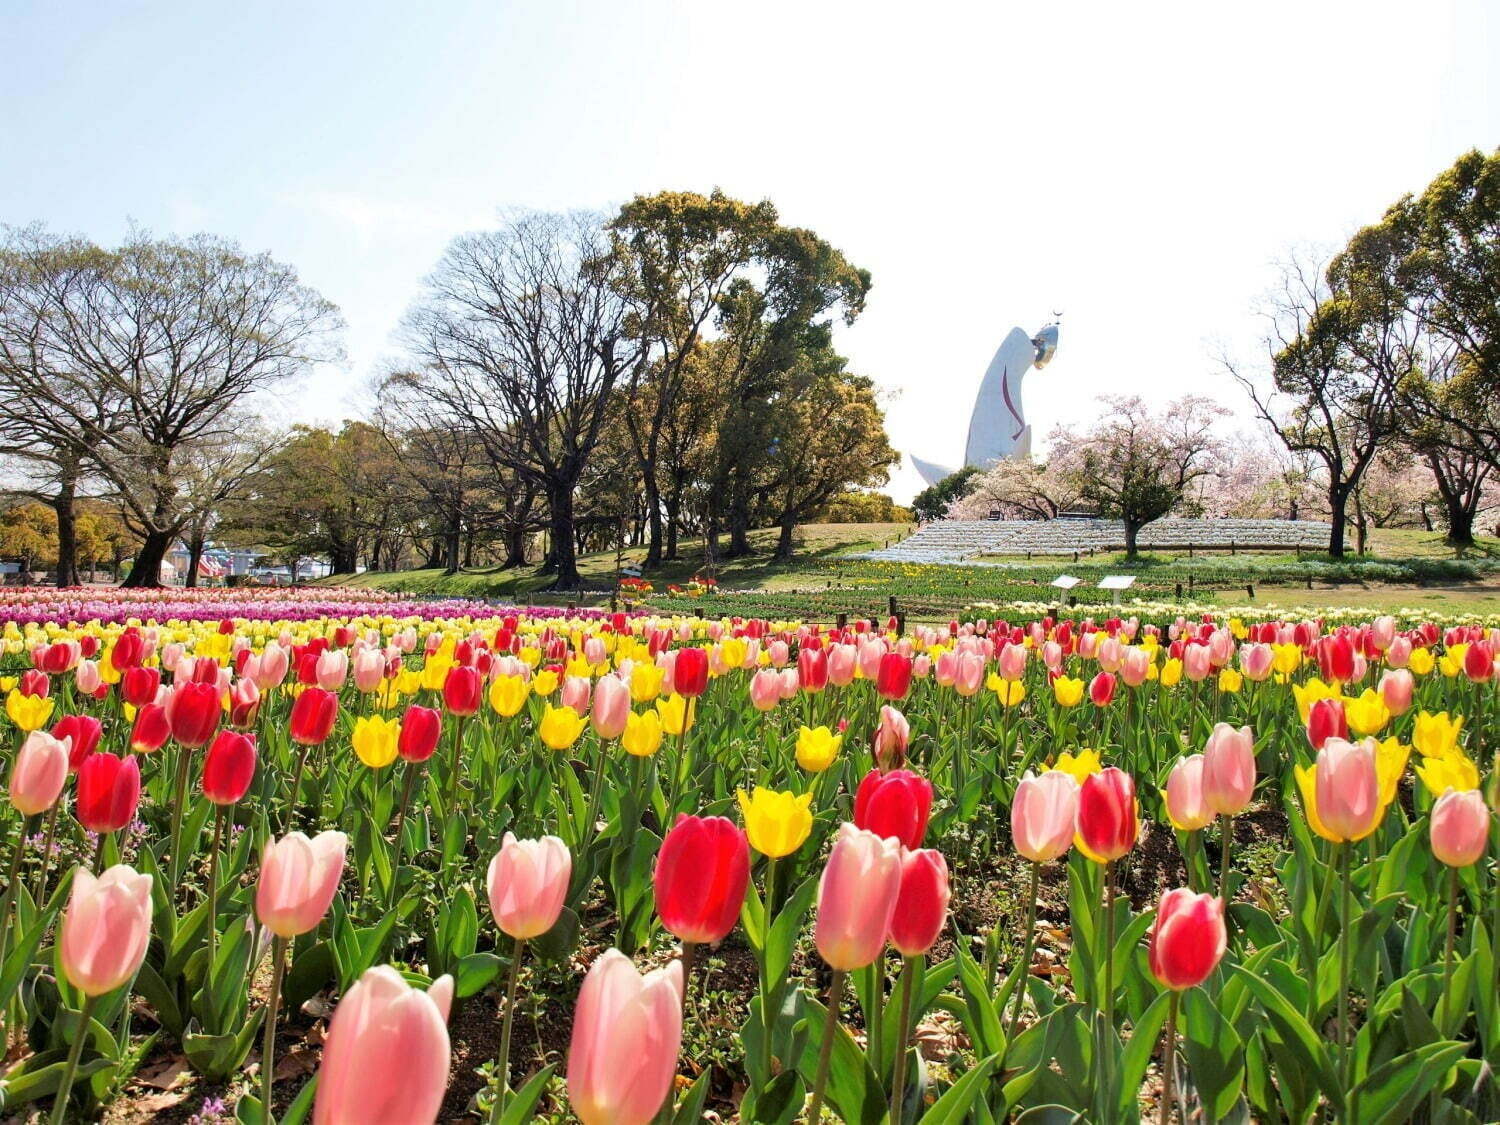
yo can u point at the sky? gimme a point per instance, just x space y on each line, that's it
1138 168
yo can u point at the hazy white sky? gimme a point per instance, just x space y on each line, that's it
1138 167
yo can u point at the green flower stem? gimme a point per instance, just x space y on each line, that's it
1023 967
1169 1059
825 1049
65 1087
497 1111
268 1043
898 1073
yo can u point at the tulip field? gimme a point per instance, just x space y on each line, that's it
297 856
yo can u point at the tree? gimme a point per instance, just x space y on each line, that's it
857 505
28 534
1027 489
1342 407
933 501
1138 466
522 338
144 355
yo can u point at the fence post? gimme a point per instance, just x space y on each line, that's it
698 611
892 606
1179 591
900 624
841 621
1190 585
1250 590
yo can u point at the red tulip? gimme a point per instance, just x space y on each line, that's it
244 703
922 904
702 871
1325 720
1336 658
138 686
1102 689
229 767
1479 662
109 789
1108 815
194 710
894 678
84 730
152 728
1187 939
420 728
463 690
35 683
313 716
895 804
128 651
690 672
812 669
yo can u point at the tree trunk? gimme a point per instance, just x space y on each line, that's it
739 523
146 569
452 546
195 558
67 530
1338 501
515 547
1132 530
674 512
784 541
652 496
564 556
1361 524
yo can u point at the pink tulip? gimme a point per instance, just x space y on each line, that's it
1221 648
1042 815
1399 654
39 774
611 707
527 883
1460 827
1052 656
575 694
386 1054
856 897
790 682
922 902
106 929
369 669
841 665
892 737
765 689
627 1032
1196 662
780 652
268 669
1135 666
1186 807
1383 632
1188 939
87 677
1229 769
946 670
1256 662
1396 688
298 879
1012 662
970 674
1348 788
1111 655
332 669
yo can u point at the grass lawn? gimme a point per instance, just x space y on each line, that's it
821 581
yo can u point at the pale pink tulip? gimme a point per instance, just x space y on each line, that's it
105 929
611 707
298 879
856 898
39 774
1042 815
1229 769
1396 688
527 884
1186 807
765 689
1460 827
627 1032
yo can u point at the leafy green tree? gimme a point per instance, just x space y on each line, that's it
933 501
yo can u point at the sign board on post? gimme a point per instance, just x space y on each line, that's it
1117 582
1065 581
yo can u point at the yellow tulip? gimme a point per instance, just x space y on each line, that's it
1230 681
1077 766
544 682
776 823
1421 661
642 736
1008 692
1309 693
1449 770
408 681
1171 672
1367 714
29 712
508 694
531 657
1436 735
645 682
1067 691
1451 663
734 650
578 666
817 747
435 671
1390 763
560 727
1286 659
676 714
375 740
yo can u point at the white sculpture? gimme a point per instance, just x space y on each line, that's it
997 427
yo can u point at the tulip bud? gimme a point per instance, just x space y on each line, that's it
1188 939
702 871
298 879
1229 769
313 716
895 804
83 731
690 672
37 778
1043 814
193 712
1325 720
463 691
386 1053
106 929
109 788
229 767
1186 807
528 883
1459 827
857 898
921 904
1108 815
420 729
